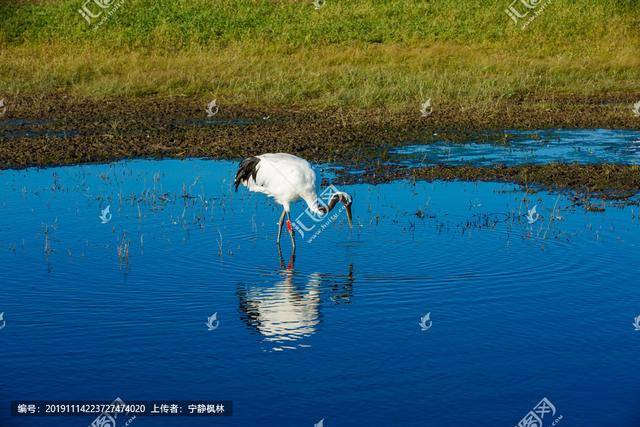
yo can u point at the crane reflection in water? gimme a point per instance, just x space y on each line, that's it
286 312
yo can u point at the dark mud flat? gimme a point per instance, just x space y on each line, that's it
606 181
58 130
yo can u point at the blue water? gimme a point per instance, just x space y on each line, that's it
586 146
519 311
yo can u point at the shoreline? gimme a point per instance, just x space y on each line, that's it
104 130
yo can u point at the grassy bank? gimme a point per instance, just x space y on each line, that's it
350 54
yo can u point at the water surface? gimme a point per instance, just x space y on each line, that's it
584 146
520 309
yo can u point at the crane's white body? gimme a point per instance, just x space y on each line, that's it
286 178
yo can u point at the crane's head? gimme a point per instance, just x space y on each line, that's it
343 198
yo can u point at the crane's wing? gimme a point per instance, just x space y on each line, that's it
248 169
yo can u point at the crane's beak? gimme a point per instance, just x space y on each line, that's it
348 208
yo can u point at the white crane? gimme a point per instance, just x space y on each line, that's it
287 178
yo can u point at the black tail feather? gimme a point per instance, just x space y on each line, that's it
248 168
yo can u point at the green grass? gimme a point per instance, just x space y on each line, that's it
356 54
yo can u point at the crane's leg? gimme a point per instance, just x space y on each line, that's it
291 232
281 258
280 224
292 260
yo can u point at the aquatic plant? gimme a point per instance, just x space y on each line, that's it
123 248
